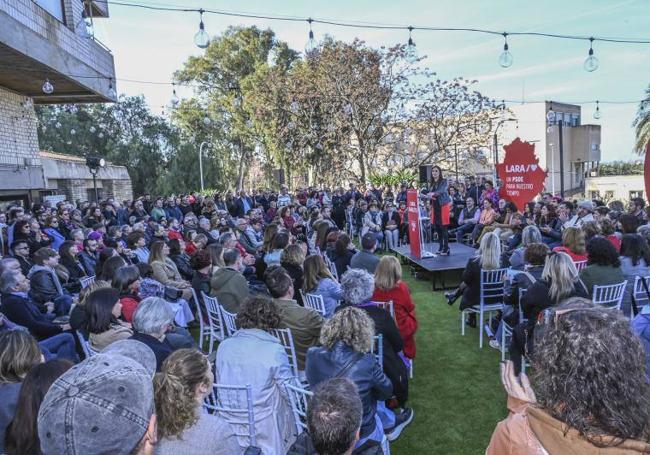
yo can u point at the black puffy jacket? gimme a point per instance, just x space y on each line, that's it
42 287
343 362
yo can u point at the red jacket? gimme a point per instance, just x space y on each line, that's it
404 309
171 234
575 257
129 305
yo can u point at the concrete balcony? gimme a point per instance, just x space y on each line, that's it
35 45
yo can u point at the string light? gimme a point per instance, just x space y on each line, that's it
311 45
206 121
591 62
294 106
201 38
411 51
47 88
92 129
174 95
111 91
73 132
597 114
505 59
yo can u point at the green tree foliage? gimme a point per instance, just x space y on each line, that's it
642 123
621 168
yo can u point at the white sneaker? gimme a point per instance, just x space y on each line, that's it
495 344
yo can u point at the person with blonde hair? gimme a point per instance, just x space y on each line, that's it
291 260
390 287
183 426
319 281
559 281
165 271
573 244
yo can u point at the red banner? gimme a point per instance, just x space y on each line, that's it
522 177
413 210
646 171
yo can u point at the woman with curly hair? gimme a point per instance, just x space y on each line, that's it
590 396
603 266
180 388
255 356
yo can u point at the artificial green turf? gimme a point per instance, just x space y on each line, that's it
456 391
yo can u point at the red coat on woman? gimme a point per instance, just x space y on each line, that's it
404 309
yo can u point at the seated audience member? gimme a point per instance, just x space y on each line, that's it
20 250
366 259
343 252
629 223
345 352
137 243
530 234
152 319
486 218
550 225
305 323
201 263
371 223
149 287
608 230
22 433
216 256
319 281
635 261
127 282
583 215
46 289
590 396
69 260
19 353
291 260
573 244
9 264
110 266
559 281
183 426
165 271
278 244
253 353
468 218
228 285
89 257
357 287
390 222
389 286
104 405
603 266
180 258
78 315
103 308
333 420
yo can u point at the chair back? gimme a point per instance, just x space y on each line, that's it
213 313
388 306
331 267
315 302
86 281
492 286
286 338
522 318
580 265
639 292
610 295
378 349
299 399
235 404
229 321
85 345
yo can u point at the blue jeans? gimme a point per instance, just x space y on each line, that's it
61 346
62 305
463 229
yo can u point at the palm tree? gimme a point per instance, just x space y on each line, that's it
642 123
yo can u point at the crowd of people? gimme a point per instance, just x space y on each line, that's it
101 304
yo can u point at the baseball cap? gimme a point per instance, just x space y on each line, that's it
587 205
102 405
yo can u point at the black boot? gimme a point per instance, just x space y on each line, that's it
471 320
452 296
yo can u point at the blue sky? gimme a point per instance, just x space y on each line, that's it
151 45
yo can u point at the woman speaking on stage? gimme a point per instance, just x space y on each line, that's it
440 208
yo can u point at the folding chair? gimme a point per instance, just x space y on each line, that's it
492 288
299 399
388 306
86 281
580 265
378 349
315 302
229 321
234 403
639 293
609 296
286 338
85 345
215 330
507 330
331 267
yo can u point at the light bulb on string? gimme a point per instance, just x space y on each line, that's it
597 113
100 135
505 59
174 99
47 87
411 50
311 45
111 90
201 38
73 132
57 125
591 62
92 129
206 121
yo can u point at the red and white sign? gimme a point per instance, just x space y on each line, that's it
413 210
522 177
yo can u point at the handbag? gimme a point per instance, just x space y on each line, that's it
172 294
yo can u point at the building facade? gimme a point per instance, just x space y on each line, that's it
44 41
615 187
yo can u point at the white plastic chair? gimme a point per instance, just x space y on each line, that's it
378 349
639 293
507 329
299 399
234 403
286 338
85 346
388 306
229 321
492 288
580 265
86 281
315 302
331 267
214 331
610 295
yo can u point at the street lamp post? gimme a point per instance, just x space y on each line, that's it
203 144
94 164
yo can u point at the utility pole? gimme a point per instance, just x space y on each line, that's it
204 143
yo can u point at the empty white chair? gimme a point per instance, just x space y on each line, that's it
235 404
229 321
610 295
580 265
315 302
286 338
215 329
378 349
86 281
492 289
299 399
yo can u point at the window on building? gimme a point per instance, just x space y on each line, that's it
609 195
575 119
90 192
638 193
54 7
595 194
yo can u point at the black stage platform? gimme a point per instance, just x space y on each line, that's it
438 265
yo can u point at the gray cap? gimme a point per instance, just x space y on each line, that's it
102 405
587 205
